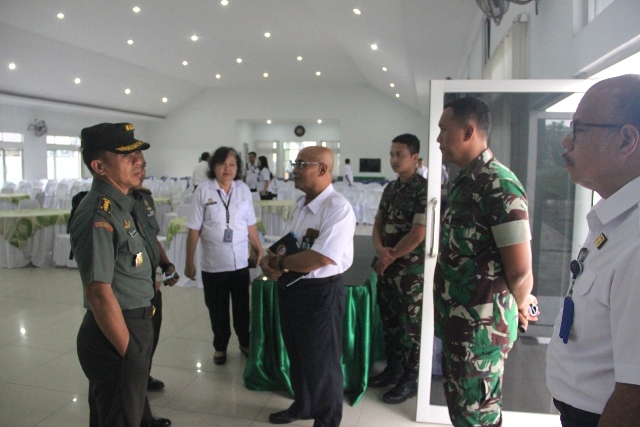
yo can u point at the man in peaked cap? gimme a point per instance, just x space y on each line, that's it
116 335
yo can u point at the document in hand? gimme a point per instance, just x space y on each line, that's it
287 245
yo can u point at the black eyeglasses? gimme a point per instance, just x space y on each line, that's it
299 164
573 124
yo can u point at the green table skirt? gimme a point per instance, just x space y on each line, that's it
267 368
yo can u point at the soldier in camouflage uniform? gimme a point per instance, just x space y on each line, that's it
483 281
398 236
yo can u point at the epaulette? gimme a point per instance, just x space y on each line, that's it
105 206
145 190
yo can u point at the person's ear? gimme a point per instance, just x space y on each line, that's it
322 169
629 141
468 132
98 167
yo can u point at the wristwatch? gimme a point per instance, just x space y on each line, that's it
281 265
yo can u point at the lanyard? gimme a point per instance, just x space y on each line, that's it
226 205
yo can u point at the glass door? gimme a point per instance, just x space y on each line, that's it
527 139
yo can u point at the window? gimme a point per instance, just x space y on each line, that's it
63 158
10 157
594 7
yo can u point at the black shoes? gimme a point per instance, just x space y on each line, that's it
160 422
405 389
220 357
244 350
391 375
282 417
154 384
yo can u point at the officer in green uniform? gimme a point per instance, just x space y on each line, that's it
483 280
115 339
398 236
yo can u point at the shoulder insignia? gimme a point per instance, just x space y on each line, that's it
145 190
102 224
105 205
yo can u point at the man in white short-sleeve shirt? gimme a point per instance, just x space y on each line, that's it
348 173
593 372
251 172
312 309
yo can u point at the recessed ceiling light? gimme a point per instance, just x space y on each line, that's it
384 69
299 58
165 99
374 47
194 38
60 15
224 2
357 11
218 76
269 121
265 74
239 60
185 63
12 66
267 34
129 41
318 73
319 121
397 95
127 91
136 9
77 80
392 84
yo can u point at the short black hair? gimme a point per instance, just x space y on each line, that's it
91 154
252 152
219 157
411 141
348 161
471 108
205 156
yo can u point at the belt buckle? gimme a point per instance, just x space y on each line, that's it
153 310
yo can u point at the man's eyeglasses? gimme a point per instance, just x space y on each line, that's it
299 164
573 125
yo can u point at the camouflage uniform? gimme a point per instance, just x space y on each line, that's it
476 316
400 289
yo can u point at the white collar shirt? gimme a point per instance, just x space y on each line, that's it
348 173
263 176
209 216
200 173
603 345
332 215
251 176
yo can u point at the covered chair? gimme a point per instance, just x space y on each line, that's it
28 204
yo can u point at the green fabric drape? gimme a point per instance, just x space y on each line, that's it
267 368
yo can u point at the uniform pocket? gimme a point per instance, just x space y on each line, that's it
582 298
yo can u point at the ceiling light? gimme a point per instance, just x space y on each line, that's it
318 73
12 66
136 9
185 63
77 80
299 58
357 11
239 60
218 76
60 15
194 38
127 91
384 69
392 84
165 99
267 34
224 2
397 95
265 74
374 47
269 121
319 121
130 41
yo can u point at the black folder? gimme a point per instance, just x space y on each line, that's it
287 245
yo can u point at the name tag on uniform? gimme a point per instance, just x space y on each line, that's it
133 232
228 235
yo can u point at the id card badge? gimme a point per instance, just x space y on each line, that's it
228 235
567 319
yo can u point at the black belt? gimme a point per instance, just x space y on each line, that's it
320 280
253 190
139 313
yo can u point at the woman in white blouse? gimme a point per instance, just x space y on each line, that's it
266 180
223 218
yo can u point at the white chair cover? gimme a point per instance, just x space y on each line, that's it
61 250
371 205
28 204
38 250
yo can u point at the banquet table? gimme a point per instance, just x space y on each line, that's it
267 367
163 206
9 201
274 214
27 236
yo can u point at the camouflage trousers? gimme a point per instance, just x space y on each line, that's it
472 379
400 303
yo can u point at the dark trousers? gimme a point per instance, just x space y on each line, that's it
574 417
311 315
268 196
156 301
117 385
218 287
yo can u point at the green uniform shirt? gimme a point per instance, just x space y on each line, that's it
109 248
402 205
146 211
487 210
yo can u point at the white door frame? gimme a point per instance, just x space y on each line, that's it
425 411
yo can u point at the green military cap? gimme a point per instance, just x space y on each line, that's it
115 137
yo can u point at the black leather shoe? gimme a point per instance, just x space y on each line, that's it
282 417
405 389
221 359
244 350
160 422
390 375
154 384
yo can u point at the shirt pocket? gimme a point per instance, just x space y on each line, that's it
584 299
215 213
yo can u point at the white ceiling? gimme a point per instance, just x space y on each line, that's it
418 40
